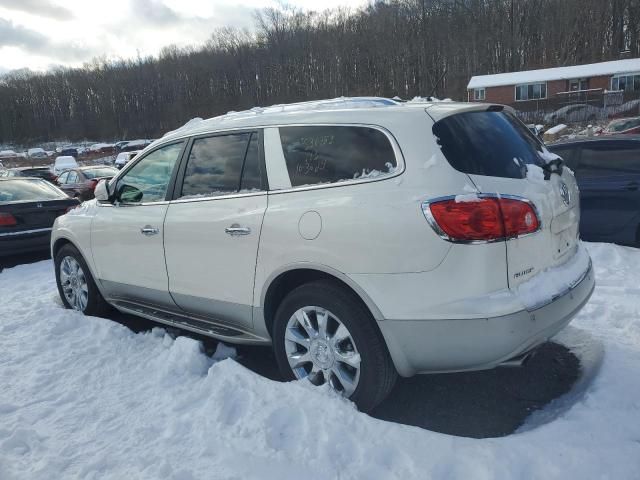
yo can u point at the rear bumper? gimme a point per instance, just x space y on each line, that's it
433 346
23 242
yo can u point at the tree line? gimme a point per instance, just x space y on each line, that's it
391 48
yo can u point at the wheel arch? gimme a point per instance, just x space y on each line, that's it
58 244
282 282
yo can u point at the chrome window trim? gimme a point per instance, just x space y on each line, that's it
400 161
219 197
25 232
426 210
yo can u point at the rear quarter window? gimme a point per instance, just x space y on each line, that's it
491 143
329 154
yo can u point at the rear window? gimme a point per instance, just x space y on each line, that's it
28 190
493 143
328 154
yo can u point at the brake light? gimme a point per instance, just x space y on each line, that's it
92 183
7 220
485 219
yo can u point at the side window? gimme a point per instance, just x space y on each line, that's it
328 154
148 180
73 177
620 159
62 179
217 164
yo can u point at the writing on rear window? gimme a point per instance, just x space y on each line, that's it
328 154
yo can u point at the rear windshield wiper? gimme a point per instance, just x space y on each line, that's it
553 166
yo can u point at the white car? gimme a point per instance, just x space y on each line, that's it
124 157
63 163
36 153
8 154
362 238
575 113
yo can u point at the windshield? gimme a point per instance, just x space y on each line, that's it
100 172
491 143
28 190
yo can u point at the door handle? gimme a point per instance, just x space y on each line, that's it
148 230
236 229
631 186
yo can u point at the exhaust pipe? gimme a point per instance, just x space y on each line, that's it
520 360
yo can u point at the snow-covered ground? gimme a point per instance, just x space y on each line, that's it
87 398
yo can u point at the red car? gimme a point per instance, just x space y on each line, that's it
623 126
81 182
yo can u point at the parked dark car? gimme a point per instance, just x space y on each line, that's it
608 174
28 208
81 182
38 172
133 145
69 152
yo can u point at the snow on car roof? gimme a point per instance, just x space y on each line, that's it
630 65
303 111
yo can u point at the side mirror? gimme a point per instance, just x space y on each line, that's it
102 191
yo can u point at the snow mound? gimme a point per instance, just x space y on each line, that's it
84 397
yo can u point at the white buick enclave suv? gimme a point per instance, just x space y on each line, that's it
362 238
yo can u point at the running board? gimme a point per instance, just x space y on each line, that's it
193 324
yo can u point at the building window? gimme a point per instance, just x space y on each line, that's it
478 94
578 84
626 82
531 91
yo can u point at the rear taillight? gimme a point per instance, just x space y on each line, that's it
482 219
92 183
7 220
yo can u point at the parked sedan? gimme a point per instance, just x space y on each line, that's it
608 172
81 182
38 172
28 208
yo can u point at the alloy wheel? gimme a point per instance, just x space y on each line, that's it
74 283
321 348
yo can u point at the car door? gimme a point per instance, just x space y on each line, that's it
62 182
213 225
127 235
72 184
609 179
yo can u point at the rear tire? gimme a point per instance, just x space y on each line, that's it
323 333
76 286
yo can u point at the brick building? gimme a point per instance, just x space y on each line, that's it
549 84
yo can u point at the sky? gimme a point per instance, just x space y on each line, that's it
42 34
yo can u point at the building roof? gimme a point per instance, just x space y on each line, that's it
560 73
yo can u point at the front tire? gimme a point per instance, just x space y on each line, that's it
323 333
76 286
